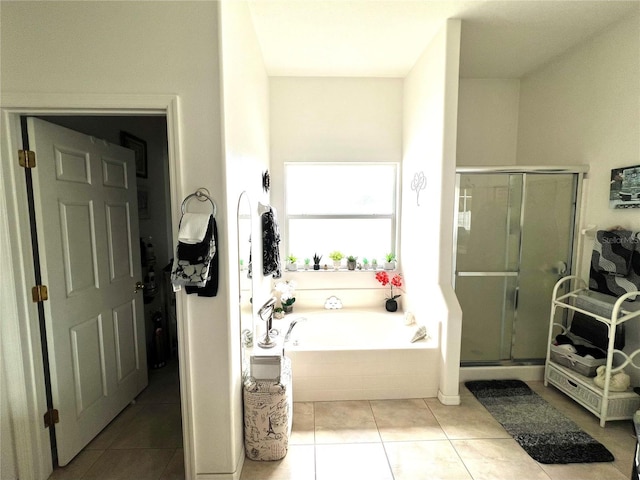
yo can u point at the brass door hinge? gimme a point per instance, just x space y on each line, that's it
39 293
27 158
51 417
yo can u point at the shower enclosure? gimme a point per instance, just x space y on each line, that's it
514 239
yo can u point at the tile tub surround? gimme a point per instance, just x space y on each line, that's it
359 354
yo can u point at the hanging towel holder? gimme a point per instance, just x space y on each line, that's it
201 194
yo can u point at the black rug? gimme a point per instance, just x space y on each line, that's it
542 431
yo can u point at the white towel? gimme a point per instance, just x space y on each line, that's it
193 227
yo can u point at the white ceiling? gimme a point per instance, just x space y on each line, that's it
500 39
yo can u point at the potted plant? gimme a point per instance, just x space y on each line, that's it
374 263
365 263
351 262
291 263
390 261
383 277
286 293
316 261
306 263
278 312
337 257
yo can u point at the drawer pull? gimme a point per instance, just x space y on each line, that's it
574 385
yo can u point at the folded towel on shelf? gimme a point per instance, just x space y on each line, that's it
193 227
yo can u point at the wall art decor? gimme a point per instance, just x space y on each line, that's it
419 183
624 190
139 147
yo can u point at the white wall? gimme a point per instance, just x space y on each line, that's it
8 468
487 121
333 119
584 108
148 48
245 87
429 136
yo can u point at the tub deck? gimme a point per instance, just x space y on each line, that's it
359 355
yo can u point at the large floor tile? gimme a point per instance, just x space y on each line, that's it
352 413
303 430
138 464
468 420
498 459
405 420
80 465
427 460
164 385
117 427
352 461
298 464
585 471
345 434
156 426
345 422
175 468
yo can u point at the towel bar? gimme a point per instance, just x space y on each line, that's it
202 194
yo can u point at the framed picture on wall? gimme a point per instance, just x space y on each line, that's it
624 190
143 203
139 147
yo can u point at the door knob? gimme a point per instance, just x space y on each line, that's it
139 286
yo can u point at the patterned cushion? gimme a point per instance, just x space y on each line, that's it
615 263
616 250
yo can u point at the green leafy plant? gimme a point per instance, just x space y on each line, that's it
351 258
390 257
292 258
336 256
307 261
365 261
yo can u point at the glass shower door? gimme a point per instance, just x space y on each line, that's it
487 246
547 239
514 241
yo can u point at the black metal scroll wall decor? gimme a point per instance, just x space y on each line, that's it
266 181
419 183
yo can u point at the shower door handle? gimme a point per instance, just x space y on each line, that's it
561 269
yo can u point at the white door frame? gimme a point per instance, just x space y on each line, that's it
20 347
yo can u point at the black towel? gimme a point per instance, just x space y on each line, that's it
270 245
211 287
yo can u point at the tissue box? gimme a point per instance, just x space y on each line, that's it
266 367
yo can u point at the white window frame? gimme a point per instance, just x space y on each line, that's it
393 216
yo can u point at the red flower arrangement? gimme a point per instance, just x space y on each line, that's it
396 281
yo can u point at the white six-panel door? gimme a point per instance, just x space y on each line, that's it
87 224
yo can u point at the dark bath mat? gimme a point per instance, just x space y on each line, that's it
547 435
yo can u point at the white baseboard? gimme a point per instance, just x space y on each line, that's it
526 373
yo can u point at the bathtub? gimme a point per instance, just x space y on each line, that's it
359 355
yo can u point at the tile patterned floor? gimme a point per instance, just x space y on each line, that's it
382 439
144 442
423 439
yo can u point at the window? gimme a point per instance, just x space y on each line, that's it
341 206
